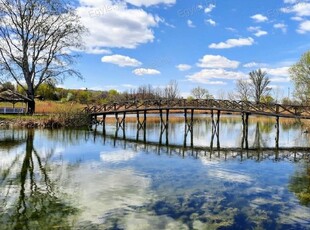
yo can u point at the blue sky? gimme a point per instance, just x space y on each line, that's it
197 43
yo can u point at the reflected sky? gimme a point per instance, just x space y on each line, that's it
105 184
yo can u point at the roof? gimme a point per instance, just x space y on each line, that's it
13 97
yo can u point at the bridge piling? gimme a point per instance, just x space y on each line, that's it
277 132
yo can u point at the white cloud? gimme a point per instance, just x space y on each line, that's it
250 65
281 26
142 71
148 3
97 50
217 61
301 9
231 29
121 60
282 71
259 18
207 76
183 67
297 18
257 31
114 25
290 1
209 8
260 33
190 23
304 27
211 22
280 74
230 43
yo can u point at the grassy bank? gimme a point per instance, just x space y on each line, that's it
48 114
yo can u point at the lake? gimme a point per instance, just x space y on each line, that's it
154 177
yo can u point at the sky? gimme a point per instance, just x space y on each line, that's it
206 43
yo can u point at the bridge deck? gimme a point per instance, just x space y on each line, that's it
276 110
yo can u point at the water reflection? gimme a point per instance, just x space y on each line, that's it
163 179
213 133
29 198
300 184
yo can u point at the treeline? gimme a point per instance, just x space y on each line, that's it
85 96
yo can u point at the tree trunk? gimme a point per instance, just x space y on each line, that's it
31 105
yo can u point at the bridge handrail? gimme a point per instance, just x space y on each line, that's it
217 104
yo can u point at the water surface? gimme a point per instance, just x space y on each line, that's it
129 179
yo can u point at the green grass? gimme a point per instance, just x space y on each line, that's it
22 117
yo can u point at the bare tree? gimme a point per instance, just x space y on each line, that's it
243 89
201 93
35 41
172 90
259 82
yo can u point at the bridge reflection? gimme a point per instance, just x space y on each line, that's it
214 151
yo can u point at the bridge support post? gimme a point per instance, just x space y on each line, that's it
167 118
245 130
277 132
138 119
218 129
215 124
141 126
144 126
188 128
103 124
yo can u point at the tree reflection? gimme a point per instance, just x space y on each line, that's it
300 184
30 200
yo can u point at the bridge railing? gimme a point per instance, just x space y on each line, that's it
228 105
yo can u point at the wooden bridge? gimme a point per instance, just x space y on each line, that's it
136 106
188 107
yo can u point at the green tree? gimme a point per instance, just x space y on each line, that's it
35 36
7 85
83 96
259 82
47 91
200 93
267 99
300 75
113 95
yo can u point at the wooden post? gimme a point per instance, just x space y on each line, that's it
103 124
167 118
277 132
185 135
192 120
124 121
161 117
144 127
167 135
116 118
192 136
246 130
144 116
218 129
